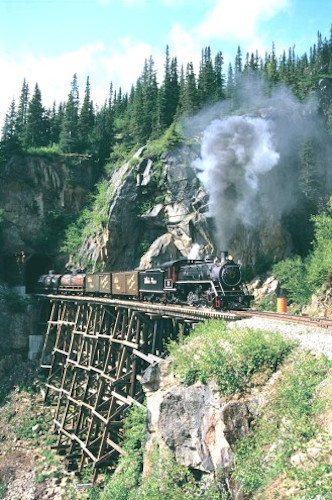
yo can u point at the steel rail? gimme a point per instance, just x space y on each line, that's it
176 311
194 313
314 322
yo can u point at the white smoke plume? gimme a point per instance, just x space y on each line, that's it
195 252
236 152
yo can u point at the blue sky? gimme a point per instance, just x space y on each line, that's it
47 41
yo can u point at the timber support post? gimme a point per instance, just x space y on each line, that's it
95 354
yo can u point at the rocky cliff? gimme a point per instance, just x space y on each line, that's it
35 188
159 210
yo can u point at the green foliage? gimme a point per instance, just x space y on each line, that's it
2 215
285 426
2 489
52 230
91 221
45 150
320 260
266 303
241 354
300 278
293 276
169 480
169 139
128 473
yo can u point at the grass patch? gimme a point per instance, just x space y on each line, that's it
178 483
285 428
229 357
128 473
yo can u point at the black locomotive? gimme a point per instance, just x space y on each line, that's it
208 282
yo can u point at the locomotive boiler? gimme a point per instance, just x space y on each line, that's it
210 281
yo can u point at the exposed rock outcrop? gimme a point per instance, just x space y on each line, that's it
193 422
33 186
158 211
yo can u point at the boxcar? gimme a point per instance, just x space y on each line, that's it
125 283
99 283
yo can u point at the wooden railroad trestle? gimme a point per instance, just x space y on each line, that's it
95 354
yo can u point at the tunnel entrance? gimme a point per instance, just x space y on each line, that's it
36 265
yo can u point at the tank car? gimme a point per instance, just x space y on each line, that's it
48 283
72 283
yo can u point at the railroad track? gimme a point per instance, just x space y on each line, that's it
291 318
199 314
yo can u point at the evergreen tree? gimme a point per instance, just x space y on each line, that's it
271 68
10 143
206 78
168 95
230 87
86 121
219 90
69 136
36 128
55 120
189 102
309 183
238 65
143 113
22 110
104 130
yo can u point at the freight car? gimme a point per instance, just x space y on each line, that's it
208 282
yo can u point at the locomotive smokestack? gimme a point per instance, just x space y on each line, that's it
223 256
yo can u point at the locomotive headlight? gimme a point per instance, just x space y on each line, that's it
230 257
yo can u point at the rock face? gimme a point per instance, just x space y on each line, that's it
193 422
18 320
158 211
33 186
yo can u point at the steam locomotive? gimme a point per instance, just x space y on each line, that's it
208 282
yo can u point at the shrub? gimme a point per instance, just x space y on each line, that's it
319 265
293 275
169 480
128 473
284 428
240 355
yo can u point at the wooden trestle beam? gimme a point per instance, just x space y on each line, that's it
95 354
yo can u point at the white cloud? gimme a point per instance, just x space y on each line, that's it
184 45
53 74
237 18
121 64
125 62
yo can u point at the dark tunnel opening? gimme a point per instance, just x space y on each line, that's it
36 265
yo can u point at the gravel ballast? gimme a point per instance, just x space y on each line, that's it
314 339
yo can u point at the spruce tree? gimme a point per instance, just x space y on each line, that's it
10 143
189 103
219 90
86 121
206 78
22 110
36 128
69 137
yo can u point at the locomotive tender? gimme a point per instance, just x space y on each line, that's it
196 282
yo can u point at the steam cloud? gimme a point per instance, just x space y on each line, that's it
235 153
250 163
